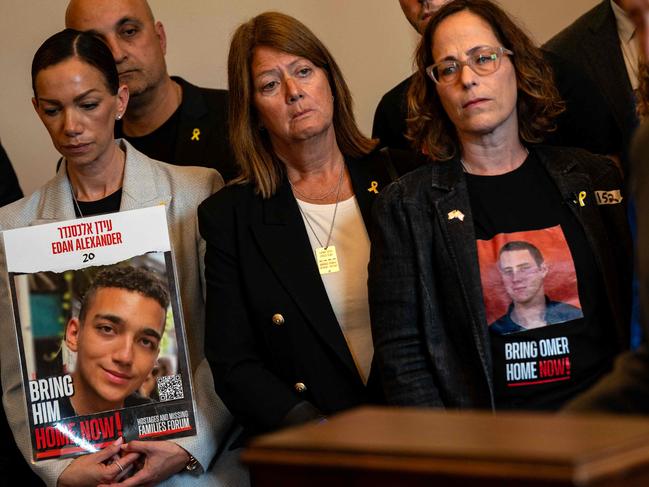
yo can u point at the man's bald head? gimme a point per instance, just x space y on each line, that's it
78 8
137 41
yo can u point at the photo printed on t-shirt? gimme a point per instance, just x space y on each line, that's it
528 280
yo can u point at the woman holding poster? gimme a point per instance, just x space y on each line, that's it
500 272
78 96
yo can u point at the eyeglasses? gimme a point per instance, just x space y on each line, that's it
482 60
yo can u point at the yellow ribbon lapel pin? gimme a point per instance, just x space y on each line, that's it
582 198
456 214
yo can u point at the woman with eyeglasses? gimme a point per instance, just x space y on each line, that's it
500 272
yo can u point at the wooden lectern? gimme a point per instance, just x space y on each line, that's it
382 447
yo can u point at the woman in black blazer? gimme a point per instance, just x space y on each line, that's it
287 332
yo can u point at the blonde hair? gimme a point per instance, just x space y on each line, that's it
259 164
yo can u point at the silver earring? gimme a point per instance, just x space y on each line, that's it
118 117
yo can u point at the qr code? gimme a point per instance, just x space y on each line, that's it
170 387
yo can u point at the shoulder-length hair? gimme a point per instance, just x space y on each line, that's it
538 103
252 148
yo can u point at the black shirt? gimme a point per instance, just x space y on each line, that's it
159 144
574 344
109 204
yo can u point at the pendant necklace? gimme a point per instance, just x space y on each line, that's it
326 257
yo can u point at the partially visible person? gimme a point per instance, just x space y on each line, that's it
9 188
392 111
523 271
168 118
78 97
639 13
482 99
149 386
626 389
116 339
574 128
10 460
288 330
165 366
601 45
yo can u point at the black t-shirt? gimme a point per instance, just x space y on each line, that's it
159 144
109 204
550 325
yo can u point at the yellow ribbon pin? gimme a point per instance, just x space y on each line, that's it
582 197
196 133
456 214
373 186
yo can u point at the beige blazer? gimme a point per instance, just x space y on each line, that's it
146 183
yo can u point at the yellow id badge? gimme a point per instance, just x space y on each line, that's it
327 259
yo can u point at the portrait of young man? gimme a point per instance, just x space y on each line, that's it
523 271
116 338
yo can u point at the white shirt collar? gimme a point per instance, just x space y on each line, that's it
625 27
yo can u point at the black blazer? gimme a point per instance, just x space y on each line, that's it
591 44
259 263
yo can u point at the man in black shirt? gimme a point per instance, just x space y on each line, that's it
390 116
167 118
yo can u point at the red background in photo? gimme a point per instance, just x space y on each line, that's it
560 283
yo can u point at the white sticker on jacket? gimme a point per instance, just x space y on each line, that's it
612 197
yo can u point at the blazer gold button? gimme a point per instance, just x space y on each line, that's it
278 319
300 387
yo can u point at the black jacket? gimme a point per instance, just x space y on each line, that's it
205 110
626 389
591 45
429 326
259 263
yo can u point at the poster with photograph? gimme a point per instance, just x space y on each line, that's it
100 332
530 270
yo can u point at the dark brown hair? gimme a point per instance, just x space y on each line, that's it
522 245
538 102
252 147
129 278
71 43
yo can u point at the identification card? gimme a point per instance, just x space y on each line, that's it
327 259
